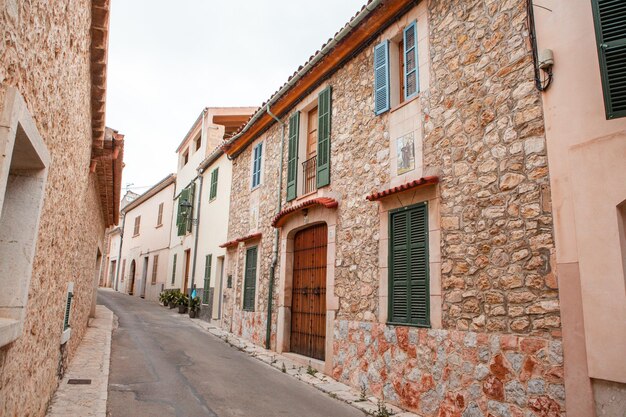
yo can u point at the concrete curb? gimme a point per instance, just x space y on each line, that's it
326 384
91 361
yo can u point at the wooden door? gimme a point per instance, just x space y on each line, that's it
186 276
132 278
308 301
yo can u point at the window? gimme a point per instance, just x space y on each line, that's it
174 270
250 279
185 209
396 70
66 317
123 269
213 191
316 142
160 216
24 165
408 266
155 266
185 157
256 165
610 23
137 225
198 143
207 278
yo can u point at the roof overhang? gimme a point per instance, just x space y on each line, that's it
362 29
281 217
424 181
154 190
236 242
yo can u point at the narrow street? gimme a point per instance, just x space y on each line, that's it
164 365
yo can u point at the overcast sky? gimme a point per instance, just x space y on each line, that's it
169 59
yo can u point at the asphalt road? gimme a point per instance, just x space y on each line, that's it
164 366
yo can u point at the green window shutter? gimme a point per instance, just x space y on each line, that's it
381 77
250 279
181 221
207 278
411 75
214 176
256 165
174 270
292 157
68 307
192 200
323 138
409 292
610 23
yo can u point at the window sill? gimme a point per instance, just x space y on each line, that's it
423 326
136 235
303 196
256 187
10 331
213 199
158 226
66 335
404 103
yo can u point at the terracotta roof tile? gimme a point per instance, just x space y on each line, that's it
235 242
320 201
404 187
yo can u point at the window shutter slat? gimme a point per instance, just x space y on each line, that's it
214 179
174 270
207 278
411 72
180 218
323 141
292 156
610 23
250 279
381 77
409 275
192 199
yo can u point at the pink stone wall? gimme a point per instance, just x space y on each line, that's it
450 372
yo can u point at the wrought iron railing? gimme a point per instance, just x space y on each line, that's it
309 170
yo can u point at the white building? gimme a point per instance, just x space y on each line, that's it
145 245
196 258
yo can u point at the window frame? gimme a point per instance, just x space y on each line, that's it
137 226
208 265
160 215
155 266
390 272
258 174
214 183
249 304
174 259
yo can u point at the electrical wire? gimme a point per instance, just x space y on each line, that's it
541 83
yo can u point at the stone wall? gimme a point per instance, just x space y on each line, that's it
451 372
44 53
484 128
483 134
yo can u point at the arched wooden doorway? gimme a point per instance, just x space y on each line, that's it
132 278
308 302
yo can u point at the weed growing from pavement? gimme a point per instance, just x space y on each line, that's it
363 395
284 368
310 370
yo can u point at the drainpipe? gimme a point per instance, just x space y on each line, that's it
119 254
268 332
195 243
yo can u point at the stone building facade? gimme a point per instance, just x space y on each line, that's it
60 188
489 342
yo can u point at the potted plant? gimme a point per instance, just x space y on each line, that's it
194 307
183 301
173 298
164 297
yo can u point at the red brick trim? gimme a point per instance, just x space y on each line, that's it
424 181
320 201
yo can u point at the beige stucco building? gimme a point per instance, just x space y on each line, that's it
145 240
587 157
60 173
200 216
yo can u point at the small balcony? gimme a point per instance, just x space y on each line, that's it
309 172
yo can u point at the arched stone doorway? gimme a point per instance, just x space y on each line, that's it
132 278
